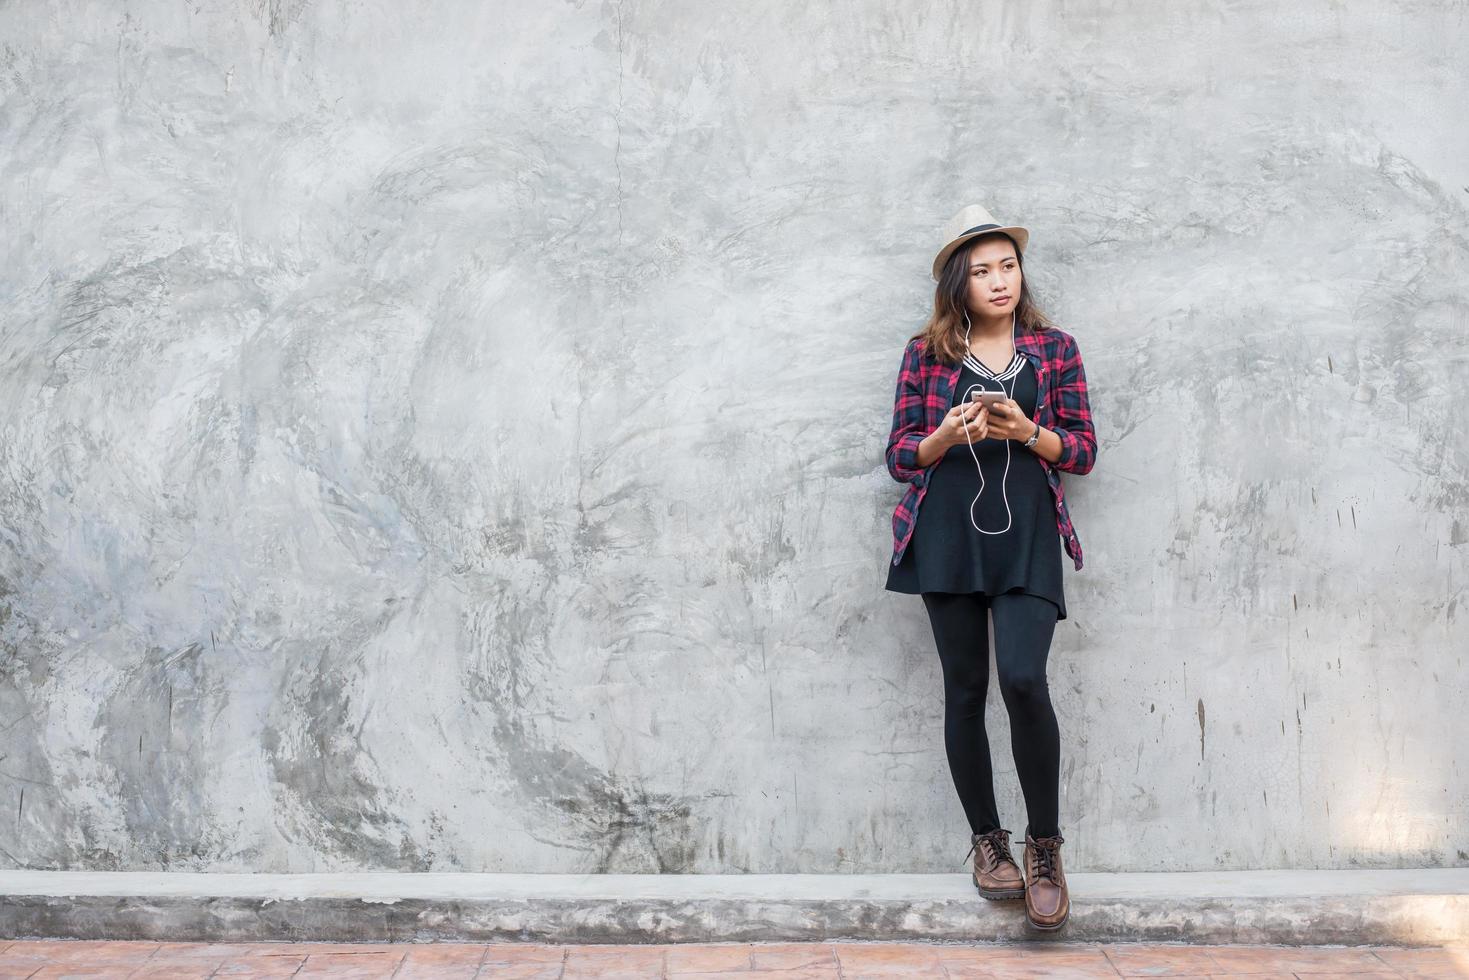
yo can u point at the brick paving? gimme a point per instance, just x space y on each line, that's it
788 961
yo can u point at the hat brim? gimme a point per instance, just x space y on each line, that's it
1019 234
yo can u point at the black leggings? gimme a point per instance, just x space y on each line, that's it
1024 625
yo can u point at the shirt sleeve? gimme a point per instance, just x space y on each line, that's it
908 426
1073 415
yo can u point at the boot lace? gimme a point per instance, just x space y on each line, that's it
997 849
1043 857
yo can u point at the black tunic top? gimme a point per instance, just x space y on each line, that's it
946 552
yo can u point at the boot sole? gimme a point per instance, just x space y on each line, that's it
996 895
1048 927
1001 898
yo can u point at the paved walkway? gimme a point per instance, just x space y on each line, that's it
787 961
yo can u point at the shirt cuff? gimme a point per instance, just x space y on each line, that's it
906 453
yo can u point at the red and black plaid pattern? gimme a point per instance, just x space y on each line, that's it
925 394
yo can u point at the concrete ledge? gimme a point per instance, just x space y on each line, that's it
1394 907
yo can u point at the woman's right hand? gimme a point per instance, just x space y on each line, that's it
972 417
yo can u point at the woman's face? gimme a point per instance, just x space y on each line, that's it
994 278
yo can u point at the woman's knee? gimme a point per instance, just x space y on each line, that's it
1025 689
966 693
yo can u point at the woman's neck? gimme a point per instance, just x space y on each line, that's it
986 330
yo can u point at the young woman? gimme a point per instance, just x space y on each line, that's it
981 528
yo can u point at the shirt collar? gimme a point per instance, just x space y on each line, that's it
1028 339
1029 343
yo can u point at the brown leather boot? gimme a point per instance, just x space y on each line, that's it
996 874
1047 903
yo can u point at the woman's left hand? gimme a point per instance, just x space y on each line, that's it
1008 421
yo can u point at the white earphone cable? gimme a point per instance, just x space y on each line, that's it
1011 371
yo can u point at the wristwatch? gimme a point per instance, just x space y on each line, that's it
1033 437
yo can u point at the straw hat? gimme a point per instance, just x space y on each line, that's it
971 221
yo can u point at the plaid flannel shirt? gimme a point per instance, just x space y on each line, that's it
925 391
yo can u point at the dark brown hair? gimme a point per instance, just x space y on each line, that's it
943 334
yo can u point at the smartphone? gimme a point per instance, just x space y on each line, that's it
989 398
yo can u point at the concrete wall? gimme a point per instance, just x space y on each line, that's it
449 435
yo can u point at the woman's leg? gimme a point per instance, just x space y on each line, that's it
961 633
1024 625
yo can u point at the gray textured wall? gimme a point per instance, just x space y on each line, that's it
449 435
